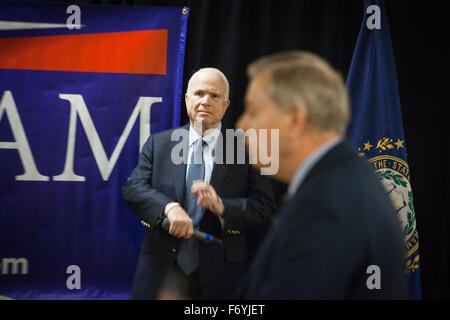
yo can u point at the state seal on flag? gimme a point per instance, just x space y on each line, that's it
393 173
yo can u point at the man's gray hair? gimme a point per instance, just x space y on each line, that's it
220 73
303 79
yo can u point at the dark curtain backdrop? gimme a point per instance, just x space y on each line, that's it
229 34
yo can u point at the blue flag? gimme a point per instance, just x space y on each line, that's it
376 128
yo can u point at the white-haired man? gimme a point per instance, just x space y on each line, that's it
224 200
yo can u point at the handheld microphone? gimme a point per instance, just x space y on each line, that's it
199 235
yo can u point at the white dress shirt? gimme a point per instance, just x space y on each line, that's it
208 154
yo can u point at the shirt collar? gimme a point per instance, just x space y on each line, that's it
303 170
210 138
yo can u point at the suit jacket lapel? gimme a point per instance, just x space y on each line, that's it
218 173
178 172
219 170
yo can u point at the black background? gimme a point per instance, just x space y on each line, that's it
229 34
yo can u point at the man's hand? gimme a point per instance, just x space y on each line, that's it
181 225
207 197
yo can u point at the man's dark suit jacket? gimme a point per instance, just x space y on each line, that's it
339 222
248 200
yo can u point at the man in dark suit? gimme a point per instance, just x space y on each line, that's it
183 182
337 235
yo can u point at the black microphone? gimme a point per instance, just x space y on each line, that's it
199 235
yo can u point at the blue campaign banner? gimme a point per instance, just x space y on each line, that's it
81 89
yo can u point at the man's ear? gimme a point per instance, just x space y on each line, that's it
299 118
186 98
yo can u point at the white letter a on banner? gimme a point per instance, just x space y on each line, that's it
20 143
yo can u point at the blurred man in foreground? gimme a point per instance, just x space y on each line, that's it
337 235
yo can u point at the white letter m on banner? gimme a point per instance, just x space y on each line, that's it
105 165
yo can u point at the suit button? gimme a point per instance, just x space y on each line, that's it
174 250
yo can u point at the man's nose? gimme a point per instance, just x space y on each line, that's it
205 99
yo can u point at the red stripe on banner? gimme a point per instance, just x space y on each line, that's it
142 52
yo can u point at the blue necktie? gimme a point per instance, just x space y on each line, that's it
188 252
196 171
